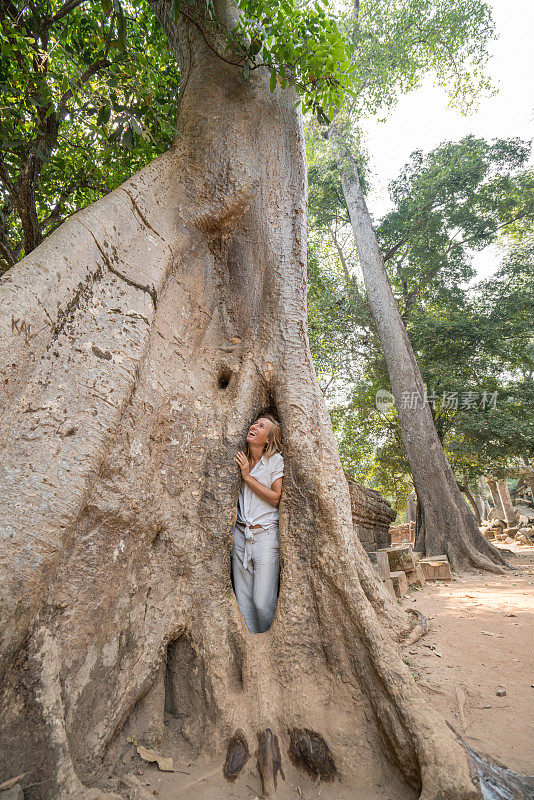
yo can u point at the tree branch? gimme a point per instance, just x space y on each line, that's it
84 77
340 253
65 9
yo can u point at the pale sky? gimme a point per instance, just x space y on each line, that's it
421 119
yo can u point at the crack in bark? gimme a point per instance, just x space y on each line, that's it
151 290
141 215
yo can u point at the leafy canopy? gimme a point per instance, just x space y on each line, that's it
87 94
96 76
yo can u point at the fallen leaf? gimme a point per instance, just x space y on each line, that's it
164 763
489 633
12 781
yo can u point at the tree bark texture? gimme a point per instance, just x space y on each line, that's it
506 501
138 342
495 496
449 526
474 506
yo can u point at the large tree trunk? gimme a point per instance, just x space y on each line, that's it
148 331
449 526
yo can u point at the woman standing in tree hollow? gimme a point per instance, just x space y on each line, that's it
255 550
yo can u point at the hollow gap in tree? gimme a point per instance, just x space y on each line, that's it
185 691
225 376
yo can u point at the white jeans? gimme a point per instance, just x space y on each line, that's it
256 585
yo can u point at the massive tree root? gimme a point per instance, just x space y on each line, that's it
166 317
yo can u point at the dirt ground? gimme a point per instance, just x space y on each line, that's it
483 630
481 641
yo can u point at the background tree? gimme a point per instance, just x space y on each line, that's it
458 197
444 42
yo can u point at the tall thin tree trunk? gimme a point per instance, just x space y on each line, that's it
449 526
476 512
485 505
166 317
410 508
496 497
506 501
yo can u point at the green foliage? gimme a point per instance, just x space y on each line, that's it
395 44
87 97
95 77
302 46
454 200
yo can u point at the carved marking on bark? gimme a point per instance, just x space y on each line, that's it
80 292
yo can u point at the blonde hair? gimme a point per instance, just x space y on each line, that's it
274 437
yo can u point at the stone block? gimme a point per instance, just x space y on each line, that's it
401 534
400 582
436 568
382 539
380 561
389 586
416 577
400 557
525 511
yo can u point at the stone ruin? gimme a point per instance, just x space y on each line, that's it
371 516
390 550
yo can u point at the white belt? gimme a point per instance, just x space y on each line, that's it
249 538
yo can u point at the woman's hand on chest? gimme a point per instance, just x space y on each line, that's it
242 462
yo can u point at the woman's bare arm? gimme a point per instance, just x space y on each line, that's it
271 495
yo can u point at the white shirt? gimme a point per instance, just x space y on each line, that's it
251 509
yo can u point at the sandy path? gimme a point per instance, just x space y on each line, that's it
483 627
